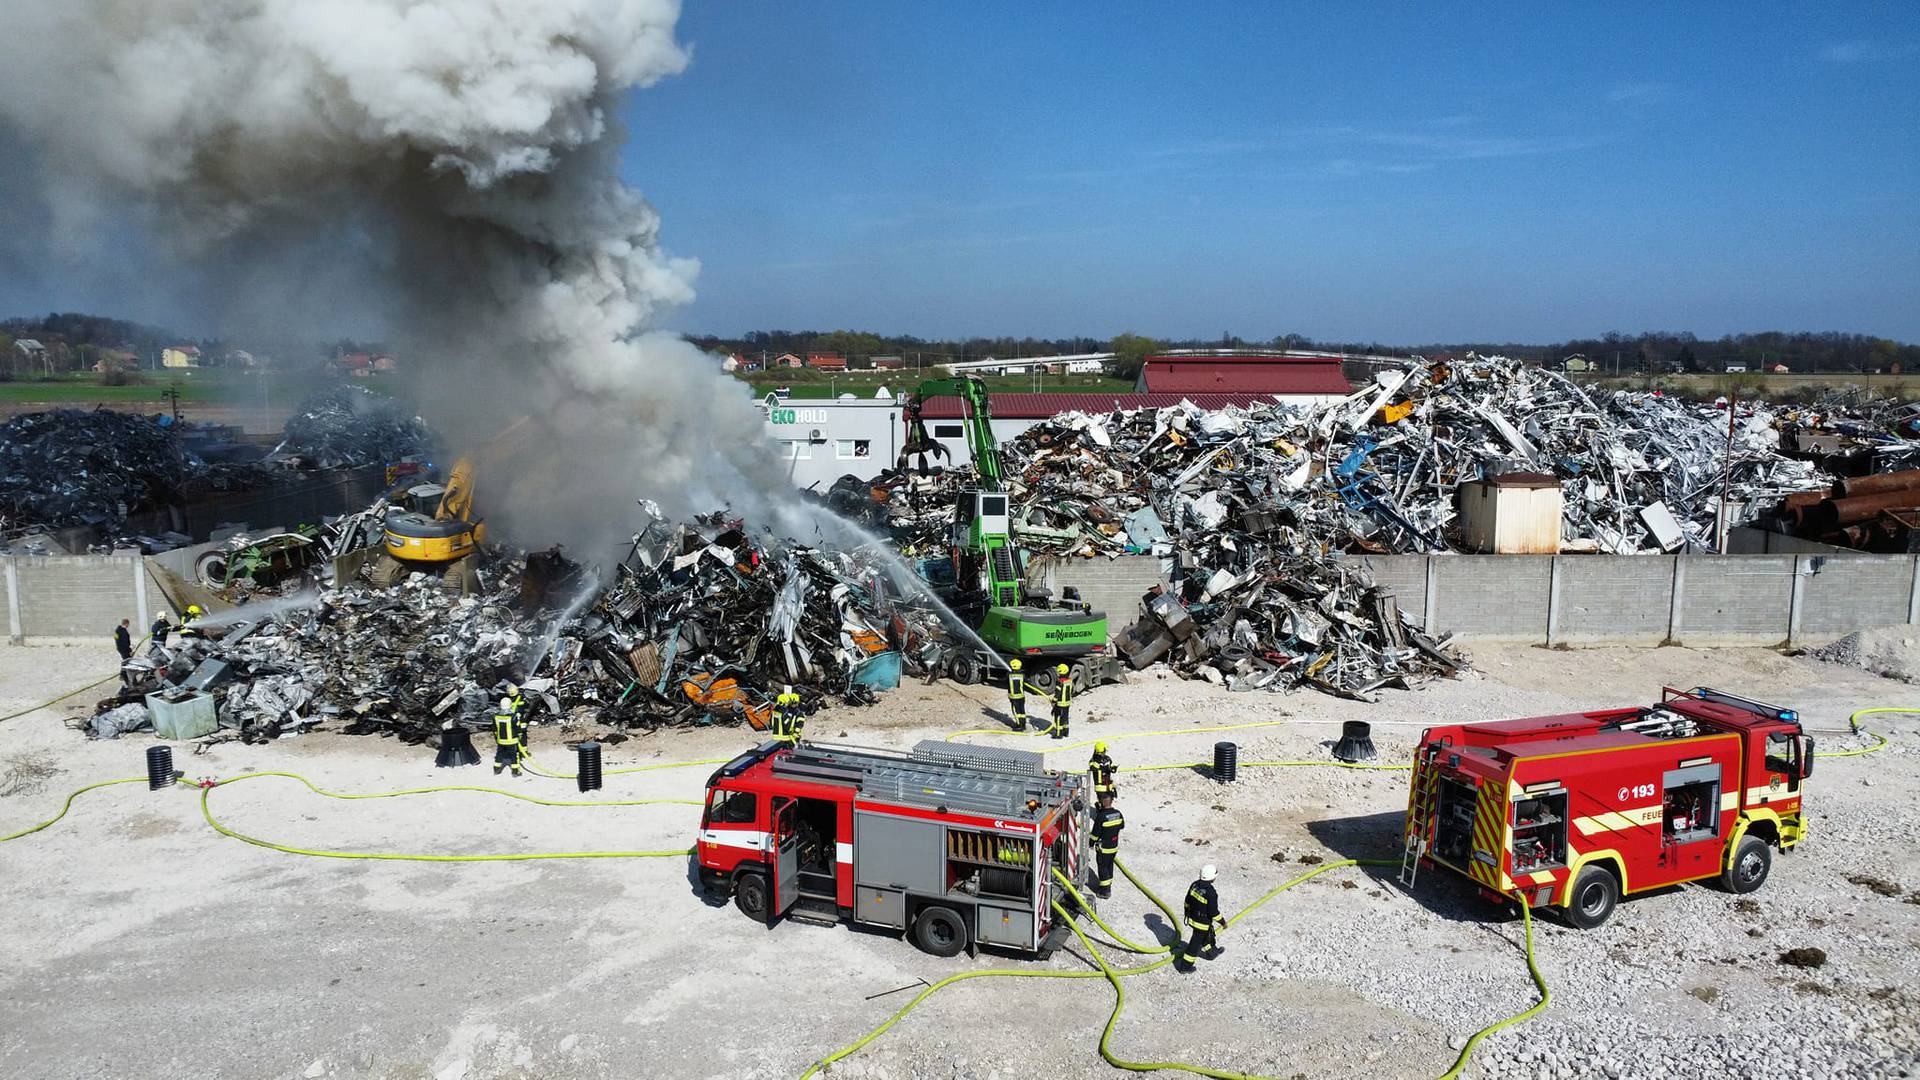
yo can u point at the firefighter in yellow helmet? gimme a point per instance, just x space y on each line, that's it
1017 695
187 629
1062 699
509 737
796 719
1101 768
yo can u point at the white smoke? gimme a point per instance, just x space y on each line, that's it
459 156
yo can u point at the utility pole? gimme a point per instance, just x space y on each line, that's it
1721 522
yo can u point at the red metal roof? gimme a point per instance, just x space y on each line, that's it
1041 406
1245 374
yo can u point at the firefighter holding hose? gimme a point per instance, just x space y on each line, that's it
1101 768
509 736
1062 700
1017 695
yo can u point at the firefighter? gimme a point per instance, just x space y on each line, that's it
1017 695
1062 700
509 737
186 621
1101 768
796 717
1107 824
157 633
1203 921
787 719
777 719
123 640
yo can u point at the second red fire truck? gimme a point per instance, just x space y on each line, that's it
1575 811
952 845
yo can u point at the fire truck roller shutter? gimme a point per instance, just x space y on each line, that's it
1486 862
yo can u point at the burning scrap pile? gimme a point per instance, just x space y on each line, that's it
1378 471
349 426
68 467
701 623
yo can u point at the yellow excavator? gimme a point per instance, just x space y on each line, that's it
432 527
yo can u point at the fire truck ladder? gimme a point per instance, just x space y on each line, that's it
1419 815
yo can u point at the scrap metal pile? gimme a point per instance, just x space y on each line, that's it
349 426
1856 431
700 623
70 467
1378 471
1878 513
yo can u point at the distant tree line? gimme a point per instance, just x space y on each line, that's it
1649 352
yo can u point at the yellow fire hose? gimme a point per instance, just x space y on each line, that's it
68 805
1105 970
207 789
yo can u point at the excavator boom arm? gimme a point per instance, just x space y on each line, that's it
978 421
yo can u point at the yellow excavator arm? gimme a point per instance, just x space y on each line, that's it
456 504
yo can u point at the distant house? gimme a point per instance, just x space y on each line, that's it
826 361
30 348
239 358
788 360
1781 369
889 363
116 360
180 356
384 363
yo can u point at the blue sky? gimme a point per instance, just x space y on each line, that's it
1383 172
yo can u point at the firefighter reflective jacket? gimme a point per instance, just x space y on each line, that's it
1107 824
1016 686
1063 692
1203 906
1101 767
507 728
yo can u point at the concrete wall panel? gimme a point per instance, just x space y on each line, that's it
1492 597
1840 596
1735 600
1603 599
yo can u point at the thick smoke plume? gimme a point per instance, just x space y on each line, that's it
459 158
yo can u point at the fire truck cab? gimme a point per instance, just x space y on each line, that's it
952 845
1576 811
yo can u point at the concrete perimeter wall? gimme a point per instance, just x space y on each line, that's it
77 596
1652 600
1544 599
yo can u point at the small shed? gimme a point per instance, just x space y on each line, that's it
1516 513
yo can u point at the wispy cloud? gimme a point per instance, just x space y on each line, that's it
1432 146
1637 93
1861 51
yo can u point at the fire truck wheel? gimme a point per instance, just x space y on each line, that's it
750 895
1595 892
1748 868
940 931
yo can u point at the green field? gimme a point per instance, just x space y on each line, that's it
1791 387
87 390
813 384
269 391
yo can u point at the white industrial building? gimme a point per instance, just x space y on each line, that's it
819 441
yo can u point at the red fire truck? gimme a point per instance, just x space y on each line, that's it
953 845
1578 810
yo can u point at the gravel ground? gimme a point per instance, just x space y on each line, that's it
140 940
